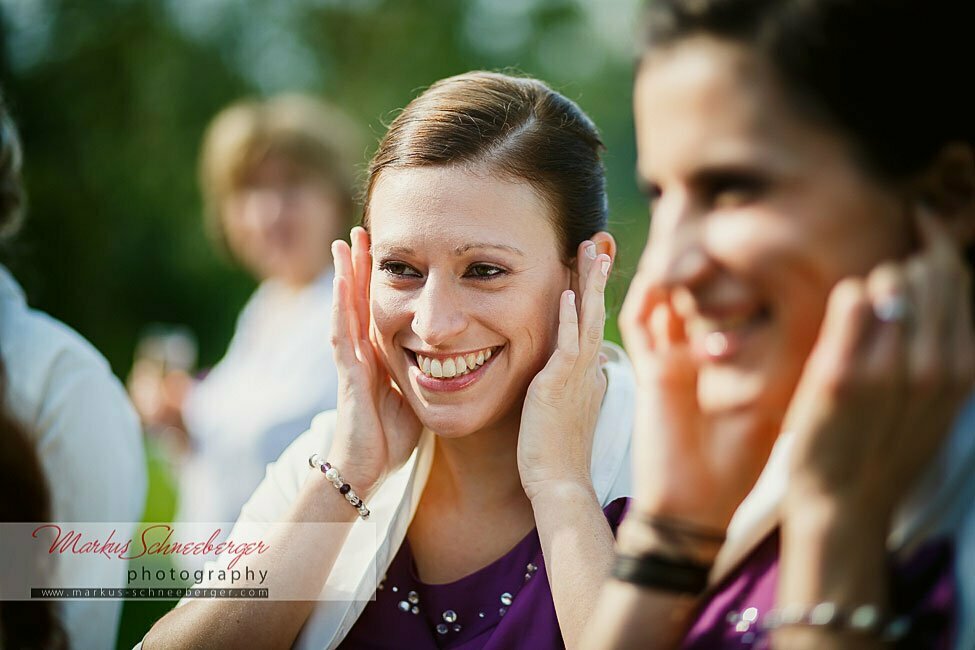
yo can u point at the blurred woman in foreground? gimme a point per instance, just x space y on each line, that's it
801 327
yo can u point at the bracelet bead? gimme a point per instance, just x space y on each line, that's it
864 619
333 475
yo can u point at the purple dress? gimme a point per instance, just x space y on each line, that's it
922 587
507 604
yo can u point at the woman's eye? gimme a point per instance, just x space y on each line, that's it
399 270
735 191
484 271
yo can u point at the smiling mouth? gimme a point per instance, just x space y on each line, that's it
453 366
718 340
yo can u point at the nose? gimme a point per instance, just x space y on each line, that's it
676 254
264 207
439 311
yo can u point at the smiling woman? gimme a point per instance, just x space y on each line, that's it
482 423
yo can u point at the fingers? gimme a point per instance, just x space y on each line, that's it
849 316
568 340
941 336
585 256
961 340
890 296
345 276
343 347
560 366
362 270
634 318
592 315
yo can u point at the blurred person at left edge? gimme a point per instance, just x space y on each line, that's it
62 394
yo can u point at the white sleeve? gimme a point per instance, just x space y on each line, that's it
282 482
90 445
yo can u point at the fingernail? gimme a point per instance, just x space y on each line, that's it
591 251
572 297
605 267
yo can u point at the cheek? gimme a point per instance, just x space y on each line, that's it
389 310
534 322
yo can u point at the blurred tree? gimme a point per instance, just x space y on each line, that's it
112 97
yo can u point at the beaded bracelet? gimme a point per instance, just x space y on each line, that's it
332 474
865 619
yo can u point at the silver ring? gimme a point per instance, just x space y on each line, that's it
893 309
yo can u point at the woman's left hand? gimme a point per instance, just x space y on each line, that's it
879 393
558 421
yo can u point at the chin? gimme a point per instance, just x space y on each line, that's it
449 422
724 388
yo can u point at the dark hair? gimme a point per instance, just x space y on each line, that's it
886 73
24 497
11 187
514 126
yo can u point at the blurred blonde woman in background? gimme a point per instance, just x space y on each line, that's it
278 185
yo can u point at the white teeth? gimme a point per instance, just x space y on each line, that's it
705 326
449 368
454 367
716 343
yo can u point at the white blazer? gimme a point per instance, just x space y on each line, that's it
372 545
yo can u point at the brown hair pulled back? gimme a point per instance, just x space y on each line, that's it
513 126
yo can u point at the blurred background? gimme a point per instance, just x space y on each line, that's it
112 97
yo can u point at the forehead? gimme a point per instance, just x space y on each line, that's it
423 206
708 102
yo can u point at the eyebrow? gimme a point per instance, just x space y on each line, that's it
460 250
709 173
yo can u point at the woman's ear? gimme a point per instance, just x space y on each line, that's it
947 188
605 244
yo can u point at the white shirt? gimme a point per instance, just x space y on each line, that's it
278 373
87 438
372 545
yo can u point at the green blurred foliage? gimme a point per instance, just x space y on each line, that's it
112 97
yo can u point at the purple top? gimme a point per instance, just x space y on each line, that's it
922 587
507 604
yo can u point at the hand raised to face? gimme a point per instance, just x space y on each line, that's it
377 429
559 417
894 361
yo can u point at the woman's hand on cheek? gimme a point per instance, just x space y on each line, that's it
376 427
686 466
894 362
558 421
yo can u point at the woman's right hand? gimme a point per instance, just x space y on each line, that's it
690 467
376 429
